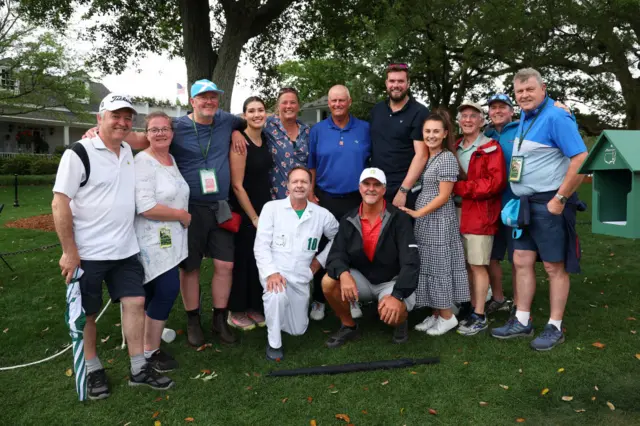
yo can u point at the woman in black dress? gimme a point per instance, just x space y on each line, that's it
251 190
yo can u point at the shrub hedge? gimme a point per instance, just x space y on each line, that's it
29 165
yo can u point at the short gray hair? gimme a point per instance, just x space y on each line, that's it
340 87
526 73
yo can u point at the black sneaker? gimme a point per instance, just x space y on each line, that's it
149 377
97 385
162 362
494 306
401 333
342 336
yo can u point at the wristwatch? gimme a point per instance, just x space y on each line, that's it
404 190
562 198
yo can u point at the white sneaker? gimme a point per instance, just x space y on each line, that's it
356 312
427 323
442 326
317 311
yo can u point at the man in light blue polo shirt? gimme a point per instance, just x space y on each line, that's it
339 149
543 172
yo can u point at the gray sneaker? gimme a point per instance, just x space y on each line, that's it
401 333
274 354
97 385
150 377
342 336
494 306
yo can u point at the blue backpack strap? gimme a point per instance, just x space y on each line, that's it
81 151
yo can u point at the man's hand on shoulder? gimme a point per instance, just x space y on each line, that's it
238 143
91 133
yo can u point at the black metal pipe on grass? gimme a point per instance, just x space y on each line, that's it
15 184
354 367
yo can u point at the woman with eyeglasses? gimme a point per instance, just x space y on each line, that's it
251 190
162 200
288 141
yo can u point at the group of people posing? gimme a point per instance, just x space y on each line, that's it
392 211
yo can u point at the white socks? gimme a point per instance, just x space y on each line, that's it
523 317
147 354
556 323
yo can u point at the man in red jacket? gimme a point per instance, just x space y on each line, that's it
478 197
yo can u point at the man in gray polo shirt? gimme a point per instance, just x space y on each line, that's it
93 211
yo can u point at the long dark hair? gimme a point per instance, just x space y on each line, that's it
442 115
252 99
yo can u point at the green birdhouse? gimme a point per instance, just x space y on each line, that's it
614 162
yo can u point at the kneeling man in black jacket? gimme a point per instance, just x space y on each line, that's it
374 256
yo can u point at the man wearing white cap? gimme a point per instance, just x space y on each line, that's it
94 210
373 257
287 239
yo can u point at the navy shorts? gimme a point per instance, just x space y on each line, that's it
206 238
161 292
502 241
123 277
546 235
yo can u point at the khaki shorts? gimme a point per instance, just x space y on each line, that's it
477 248
368 292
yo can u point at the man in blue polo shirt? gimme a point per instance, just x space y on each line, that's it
339 148
543 172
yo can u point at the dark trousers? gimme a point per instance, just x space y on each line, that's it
338 205
246 291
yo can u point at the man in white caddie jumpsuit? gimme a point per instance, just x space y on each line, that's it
285 248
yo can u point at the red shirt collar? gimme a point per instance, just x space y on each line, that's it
384 207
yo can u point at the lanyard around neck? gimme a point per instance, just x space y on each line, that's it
205 154
523 134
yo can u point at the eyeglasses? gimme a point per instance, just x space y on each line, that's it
155 131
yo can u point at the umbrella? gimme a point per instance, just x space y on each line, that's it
75 319
354 367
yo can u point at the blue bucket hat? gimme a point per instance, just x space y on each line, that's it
500 97
203 86
509 215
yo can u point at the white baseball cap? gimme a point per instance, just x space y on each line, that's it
375 173
116 101
471 104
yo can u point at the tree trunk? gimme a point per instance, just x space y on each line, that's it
632 105
196 32
224 74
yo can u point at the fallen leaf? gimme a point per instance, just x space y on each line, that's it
606 306
520 420
49 308
284 400
105 339
332 386
581 410
198 376
157 423
638 356
156 414
402 411
208 345
126 424
466 363
205 371
611 406
544 391
631 319
483 404
5 330
567 398
364 412
117 325
560 370
179 332
189 419
334 392
69 372
505 387
414 372
46 329
248 388
343 417
612 254
167 397
520 370
110 361
386 382
158 399
598 345
596 387
201 348
247 374
633 332
313 423
218 350
593 398
309 399
326 331
432 411
365 388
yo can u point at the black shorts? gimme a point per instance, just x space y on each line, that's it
502 241
206 238
124 278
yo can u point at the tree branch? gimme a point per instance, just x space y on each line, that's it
266 14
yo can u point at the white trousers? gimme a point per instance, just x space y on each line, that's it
286 311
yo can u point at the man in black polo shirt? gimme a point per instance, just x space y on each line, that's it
396 137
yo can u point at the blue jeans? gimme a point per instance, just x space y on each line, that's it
161 292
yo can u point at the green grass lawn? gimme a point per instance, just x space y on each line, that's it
471 369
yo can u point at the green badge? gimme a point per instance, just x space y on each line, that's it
515 169
165 237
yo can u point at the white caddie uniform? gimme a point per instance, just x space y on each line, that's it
287 244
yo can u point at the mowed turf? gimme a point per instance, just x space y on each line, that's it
506 375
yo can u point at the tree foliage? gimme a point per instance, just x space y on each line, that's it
37 72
